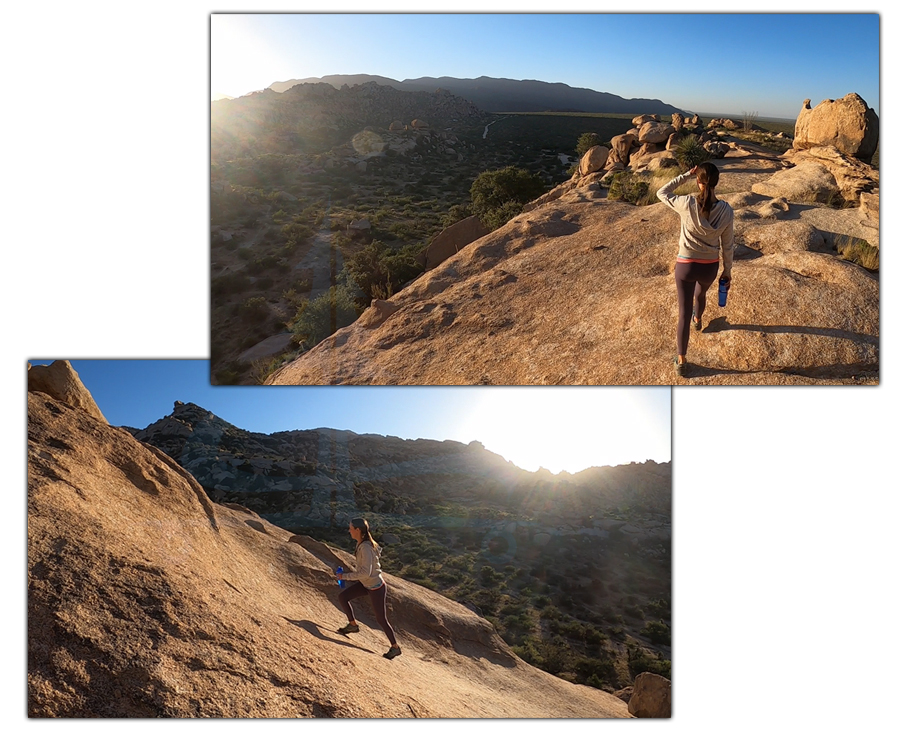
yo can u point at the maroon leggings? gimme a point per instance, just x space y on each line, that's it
692 281
379 600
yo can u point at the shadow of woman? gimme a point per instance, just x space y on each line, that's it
313 628
721 324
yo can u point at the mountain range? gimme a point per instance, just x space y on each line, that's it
504 95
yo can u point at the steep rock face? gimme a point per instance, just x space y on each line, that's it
145 599
579 290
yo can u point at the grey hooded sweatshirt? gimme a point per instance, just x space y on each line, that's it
368 566
700 239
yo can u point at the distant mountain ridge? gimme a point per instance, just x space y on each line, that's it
301 478
505 95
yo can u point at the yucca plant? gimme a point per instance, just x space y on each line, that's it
690 152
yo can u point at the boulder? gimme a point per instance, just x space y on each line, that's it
654 133
641 120
418 124
60 381
452 239
379 310
396 126
621 148
677 121
808 182
717 150
848 124
593 160
652 696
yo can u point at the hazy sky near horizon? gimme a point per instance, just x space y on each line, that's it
714 62
556 428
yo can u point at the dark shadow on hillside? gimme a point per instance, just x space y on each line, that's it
313 628
721 324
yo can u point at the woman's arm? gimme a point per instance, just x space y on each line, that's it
727 243
667 192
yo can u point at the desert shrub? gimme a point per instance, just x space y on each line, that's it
629 187
657 632
296 232
255 309
858 251
325 315
455 214
639 660
230 283
500 195
690 152
586 141
380 271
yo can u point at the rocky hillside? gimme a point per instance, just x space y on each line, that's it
147 599
316 117
579 288
505 95
317 477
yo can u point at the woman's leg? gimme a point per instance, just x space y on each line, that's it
685 289
348 594
706 275
379 603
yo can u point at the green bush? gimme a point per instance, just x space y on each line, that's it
325 315
500 195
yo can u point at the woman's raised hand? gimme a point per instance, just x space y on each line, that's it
693 170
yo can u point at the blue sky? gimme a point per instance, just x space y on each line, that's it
732 62
557 428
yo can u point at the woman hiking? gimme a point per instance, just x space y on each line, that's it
368 575
707 225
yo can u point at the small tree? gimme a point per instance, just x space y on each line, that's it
499 195
586 141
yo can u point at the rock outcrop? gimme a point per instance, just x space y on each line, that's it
847 124
60 381
578 290
146 599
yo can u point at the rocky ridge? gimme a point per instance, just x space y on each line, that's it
316 117
503 95
147 599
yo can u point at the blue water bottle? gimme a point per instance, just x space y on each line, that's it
724 285
339 572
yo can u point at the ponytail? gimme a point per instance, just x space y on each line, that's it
708 174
